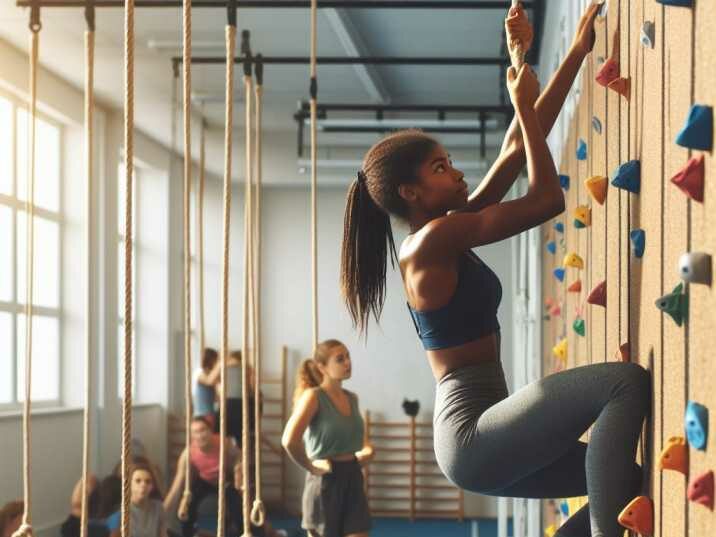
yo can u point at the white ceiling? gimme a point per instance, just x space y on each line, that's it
280 32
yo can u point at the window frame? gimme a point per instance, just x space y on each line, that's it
16 307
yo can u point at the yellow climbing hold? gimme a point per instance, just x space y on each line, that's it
583 214
597 187
573 260
560 349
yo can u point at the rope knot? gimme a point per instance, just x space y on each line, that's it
25 530
183 511
258 513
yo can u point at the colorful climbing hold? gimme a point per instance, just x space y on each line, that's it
675 304
648 33
638 516
695 267
564 507
608 72
548 302
579 326
552 247
698 131
556 310
596 125
581 150
583 215
559 274
622 86
598 296
597 187
623 353
560 349
564 181
575 287
559 227
628 176
638 242
696 423
675 456
573 260
690 178
701 489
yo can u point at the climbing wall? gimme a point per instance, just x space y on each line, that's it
665 79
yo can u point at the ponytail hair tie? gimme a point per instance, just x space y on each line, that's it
361 177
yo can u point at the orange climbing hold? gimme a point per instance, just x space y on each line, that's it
576 287
597 187
675 455
638 516
701 489
622 86
598 296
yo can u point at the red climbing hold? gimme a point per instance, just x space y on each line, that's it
576 287
622 86
691 179
638 516
623 352
598 296
608 73
556 311
701 489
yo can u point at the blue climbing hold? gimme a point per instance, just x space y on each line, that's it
559 274
559 227
564 181
564 507
552 247
698 131
597 125
582 150
628 176
638 242
696 423
680 3
579 224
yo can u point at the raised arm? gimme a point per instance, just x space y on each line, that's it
511 160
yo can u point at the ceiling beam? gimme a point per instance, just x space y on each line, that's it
285 4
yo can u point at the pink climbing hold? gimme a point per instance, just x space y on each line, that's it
598 296
691 179
622 86
608 73
701 489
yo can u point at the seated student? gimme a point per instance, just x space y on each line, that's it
147 513
11 517
96 526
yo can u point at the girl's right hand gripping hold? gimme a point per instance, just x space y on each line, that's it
523 87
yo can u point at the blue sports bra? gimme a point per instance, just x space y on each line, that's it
470 314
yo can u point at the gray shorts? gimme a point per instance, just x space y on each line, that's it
335 504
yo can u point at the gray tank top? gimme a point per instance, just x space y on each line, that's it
233 381
331 433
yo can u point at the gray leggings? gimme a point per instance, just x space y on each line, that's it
526 445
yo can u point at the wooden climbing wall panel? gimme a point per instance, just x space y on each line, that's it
701 334
678 71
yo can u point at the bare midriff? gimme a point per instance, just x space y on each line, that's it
484 349
343 457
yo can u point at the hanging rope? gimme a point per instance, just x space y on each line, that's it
25 529
516 47
89 115
248 219
230 37
258 512
183 512
200 229
128 248
314 176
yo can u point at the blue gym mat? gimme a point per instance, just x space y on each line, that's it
399 527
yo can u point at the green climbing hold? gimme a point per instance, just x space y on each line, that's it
579 326
676 304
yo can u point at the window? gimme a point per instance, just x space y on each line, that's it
47 299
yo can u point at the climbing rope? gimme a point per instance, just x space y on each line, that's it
258 512
248 219
186 79
200 230
89 113
230 37
314 177
25 529
128 247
